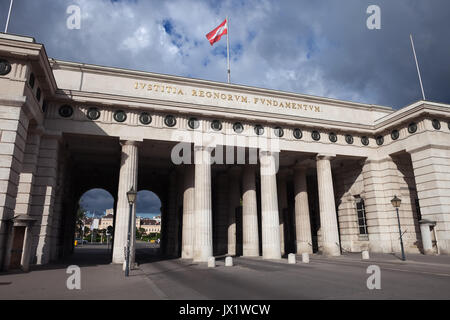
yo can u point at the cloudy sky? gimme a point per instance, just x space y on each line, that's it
321 47
97 201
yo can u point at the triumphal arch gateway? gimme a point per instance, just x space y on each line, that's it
239 170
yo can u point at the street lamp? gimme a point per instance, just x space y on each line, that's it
396 203
131 195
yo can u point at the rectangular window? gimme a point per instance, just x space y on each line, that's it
361 212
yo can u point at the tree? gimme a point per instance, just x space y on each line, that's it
140 233
81 215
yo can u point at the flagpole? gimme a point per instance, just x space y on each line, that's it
9 16
417 65
228 51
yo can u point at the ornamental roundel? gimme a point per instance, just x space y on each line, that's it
93 114
315 135
278 131
436 124
193 123
216 125
380 140
120 116
5 67
145 118
259 130
170 121
395 134
238 127
365 141
349 138
297 133
412 127
333 137
65 111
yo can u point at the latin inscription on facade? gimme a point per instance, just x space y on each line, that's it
169 90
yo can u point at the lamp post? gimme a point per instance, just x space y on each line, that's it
131 195
396 203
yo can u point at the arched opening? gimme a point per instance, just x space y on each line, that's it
94 226
148 223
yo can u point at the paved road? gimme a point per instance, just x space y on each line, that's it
421 277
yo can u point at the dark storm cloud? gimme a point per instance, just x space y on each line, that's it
314 47
96 200
99 200
147 202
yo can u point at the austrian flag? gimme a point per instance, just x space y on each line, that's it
218 32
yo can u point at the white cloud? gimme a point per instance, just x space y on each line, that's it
318 48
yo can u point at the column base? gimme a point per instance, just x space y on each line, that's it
331 250
274 253
187 253
250 252
231 250
304 248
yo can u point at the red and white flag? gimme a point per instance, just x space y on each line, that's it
218 32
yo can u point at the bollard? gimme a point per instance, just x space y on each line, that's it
305 257
365 255
228 262
291 258
211 262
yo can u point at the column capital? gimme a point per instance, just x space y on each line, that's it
126 142
200 147
325 156
267 152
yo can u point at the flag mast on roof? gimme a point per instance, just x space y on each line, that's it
215 36
9 15
417 66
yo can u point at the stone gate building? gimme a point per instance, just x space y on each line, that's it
239 170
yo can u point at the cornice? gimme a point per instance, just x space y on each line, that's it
36 53
412 111
142 75
199 109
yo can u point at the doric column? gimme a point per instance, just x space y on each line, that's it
250 238
328 219
269 205
234 197
302 219
282 205
203 244
221 215
127 180
188 233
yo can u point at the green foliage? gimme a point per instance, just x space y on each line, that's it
151 236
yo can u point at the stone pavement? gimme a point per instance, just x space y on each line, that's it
344 277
